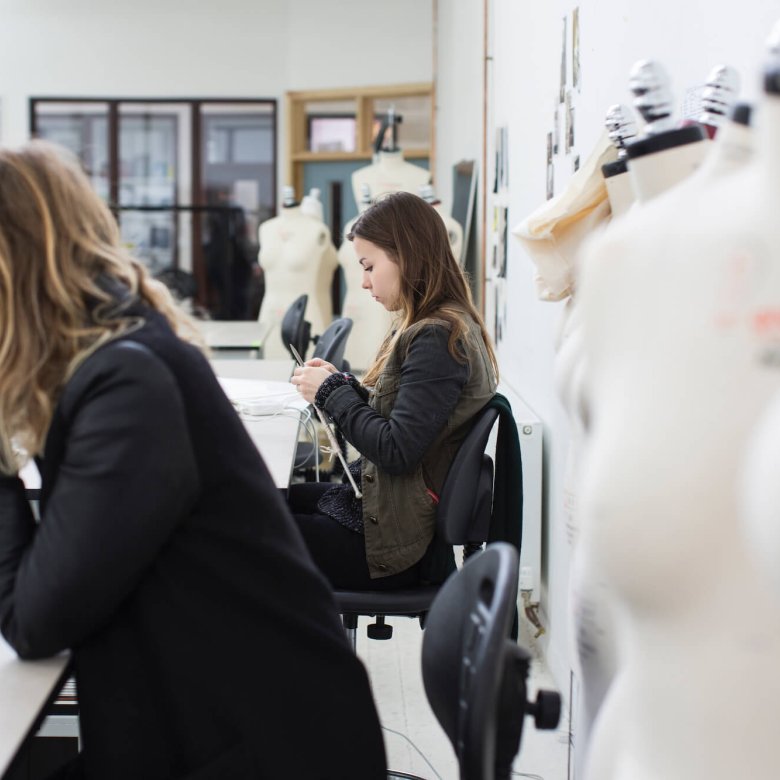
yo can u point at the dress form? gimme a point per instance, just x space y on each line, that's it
665 154
592 624
454 229
297 256
371 321
311 205
389 173
697 690
622 130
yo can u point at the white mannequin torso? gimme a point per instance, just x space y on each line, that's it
390 173
371 321
297 257
454 230
669 303
592 631
620 193
654 174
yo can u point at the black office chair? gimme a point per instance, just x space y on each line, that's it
295 329
474 675
463 518
331 344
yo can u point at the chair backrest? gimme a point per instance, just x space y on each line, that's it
295 329
333 341
464 655
465 503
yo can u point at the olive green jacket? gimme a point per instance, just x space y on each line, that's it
399 501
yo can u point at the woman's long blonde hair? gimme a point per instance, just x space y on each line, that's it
57 241
414 236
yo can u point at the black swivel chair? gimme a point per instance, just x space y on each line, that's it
331 344
295 329
463 518
474 675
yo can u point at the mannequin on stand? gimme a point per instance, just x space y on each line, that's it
371 323
591 629
389 173
622 130
665 154
677 302
297 256
311 205
591 604
454 229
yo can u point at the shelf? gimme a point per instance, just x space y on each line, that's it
414 154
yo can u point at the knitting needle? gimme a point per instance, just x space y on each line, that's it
334 445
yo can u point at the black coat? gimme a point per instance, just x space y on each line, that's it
205 643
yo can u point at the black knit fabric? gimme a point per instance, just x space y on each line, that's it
341 503
337 379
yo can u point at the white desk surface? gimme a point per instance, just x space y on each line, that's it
274 370
25 686
233 334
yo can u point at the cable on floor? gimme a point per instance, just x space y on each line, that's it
422 755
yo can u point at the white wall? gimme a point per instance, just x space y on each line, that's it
182 48
459 90
689 39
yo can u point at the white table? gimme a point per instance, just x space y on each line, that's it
269 408
27 687
248 335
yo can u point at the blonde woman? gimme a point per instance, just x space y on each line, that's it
204 641
411 412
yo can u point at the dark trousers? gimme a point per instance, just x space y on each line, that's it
339 553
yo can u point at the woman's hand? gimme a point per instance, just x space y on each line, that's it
308 378
320 363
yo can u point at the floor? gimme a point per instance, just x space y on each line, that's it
394 669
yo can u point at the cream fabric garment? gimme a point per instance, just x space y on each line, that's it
552 234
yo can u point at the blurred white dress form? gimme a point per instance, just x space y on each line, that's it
591 603
454 229
672 300
371 321
297 256
389 173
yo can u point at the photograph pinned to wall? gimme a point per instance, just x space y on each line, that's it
501 181
550 168
500 233
504 242
575 49
556 129
505 176
568 127
499 312
576 164
562 92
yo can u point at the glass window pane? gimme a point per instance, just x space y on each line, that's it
154 146
414 131
238 174
331 126
82 128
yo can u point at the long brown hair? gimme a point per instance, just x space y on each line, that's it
432 283
58 241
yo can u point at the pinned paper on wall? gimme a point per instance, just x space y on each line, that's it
575 49
562 92
550 167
